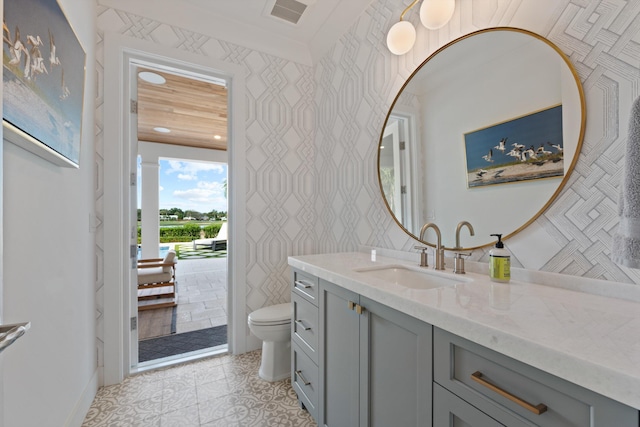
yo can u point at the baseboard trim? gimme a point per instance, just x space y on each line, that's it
79 413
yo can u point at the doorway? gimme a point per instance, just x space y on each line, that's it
193 214
118 250
181 133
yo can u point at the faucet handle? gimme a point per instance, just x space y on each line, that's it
424 257
460 254
458 262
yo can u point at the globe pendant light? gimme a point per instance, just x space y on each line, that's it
402 35
435 14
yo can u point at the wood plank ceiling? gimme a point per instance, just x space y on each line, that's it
193 110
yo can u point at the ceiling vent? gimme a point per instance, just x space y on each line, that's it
289 10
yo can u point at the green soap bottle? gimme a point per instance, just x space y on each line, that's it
499 262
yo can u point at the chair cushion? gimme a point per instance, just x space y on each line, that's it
169 258
153 275
222 233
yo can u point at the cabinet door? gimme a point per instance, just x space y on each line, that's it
338 357
395 368
451 411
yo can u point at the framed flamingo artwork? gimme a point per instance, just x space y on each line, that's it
43 81
520 149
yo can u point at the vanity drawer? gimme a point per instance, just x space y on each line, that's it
304 327
451 411
305 381
497 384
305 285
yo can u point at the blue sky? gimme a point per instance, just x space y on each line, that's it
189 185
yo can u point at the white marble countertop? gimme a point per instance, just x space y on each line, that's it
587 339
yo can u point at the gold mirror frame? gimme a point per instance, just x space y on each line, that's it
569 170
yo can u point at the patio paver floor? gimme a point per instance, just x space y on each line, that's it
201 294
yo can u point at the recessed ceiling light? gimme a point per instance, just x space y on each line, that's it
217 137
150 77
162 130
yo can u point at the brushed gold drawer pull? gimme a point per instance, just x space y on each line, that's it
301 324
304 381
303 284
359 309
351 305
537 409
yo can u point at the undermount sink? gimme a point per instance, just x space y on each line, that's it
410 278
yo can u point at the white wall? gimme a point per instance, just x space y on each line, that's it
50 374
2 423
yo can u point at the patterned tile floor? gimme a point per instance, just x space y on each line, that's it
220 391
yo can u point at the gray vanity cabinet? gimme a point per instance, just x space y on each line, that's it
304 341
375 363
359 363
513 393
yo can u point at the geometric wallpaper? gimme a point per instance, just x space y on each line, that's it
312 135
358 80
279 129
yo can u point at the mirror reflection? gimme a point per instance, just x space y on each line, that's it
486 130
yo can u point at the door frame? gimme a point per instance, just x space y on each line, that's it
119 51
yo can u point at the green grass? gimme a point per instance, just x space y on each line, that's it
186 251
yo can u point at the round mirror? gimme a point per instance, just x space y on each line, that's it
486 130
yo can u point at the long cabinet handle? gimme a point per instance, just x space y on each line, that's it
303 284
536 409
304 381
299 322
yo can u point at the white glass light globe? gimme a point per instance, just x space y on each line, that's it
435 14
401 37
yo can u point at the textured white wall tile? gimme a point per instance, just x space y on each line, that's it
601 39
534 247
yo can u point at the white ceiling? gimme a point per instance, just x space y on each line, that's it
320 26
248 23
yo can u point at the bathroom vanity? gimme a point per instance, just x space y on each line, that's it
386 342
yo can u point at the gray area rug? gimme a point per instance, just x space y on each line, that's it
171 345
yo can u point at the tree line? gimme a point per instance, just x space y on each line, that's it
206 216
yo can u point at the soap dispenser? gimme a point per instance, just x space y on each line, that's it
499 262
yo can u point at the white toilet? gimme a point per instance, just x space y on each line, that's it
273 326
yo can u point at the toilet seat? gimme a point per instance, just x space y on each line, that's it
279 314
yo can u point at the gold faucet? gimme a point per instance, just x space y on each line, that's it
458 259
460 225
439 252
